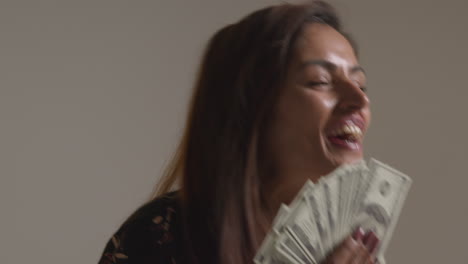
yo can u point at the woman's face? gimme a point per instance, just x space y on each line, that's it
322 112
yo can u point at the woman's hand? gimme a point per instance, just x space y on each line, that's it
356 249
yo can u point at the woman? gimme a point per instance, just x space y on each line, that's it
280 98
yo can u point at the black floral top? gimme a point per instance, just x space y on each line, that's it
151 235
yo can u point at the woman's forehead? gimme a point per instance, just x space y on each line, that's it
322 42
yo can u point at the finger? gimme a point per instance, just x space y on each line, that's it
361 255
358 234
345 252
370 260
366 237
371 242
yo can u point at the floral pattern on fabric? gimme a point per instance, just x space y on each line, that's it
150 235
113 254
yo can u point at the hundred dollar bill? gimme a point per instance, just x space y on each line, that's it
266 254
307 187
290 249
323 214
302 225
382 203
280 218
316 204
343 176
330 187
359 175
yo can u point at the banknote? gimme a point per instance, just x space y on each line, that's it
367 195
381 206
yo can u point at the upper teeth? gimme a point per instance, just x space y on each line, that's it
348 129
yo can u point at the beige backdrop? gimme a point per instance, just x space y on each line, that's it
93 96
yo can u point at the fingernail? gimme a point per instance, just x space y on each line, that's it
358 234
373 247
366 237
371 242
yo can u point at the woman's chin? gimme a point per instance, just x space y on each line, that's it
340 153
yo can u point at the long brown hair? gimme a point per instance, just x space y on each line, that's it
218 161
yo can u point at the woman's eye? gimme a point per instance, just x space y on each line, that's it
362 87
315 84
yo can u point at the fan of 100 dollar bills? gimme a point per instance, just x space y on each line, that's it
323 214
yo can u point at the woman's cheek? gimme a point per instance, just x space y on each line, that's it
329 103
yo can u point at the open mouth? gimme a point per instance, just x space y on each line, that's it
347 135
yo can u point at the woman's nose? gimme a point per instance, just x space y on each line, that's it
352 97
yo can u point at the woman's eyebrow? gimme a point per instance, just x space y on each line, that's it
322 63
330 66
357 68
